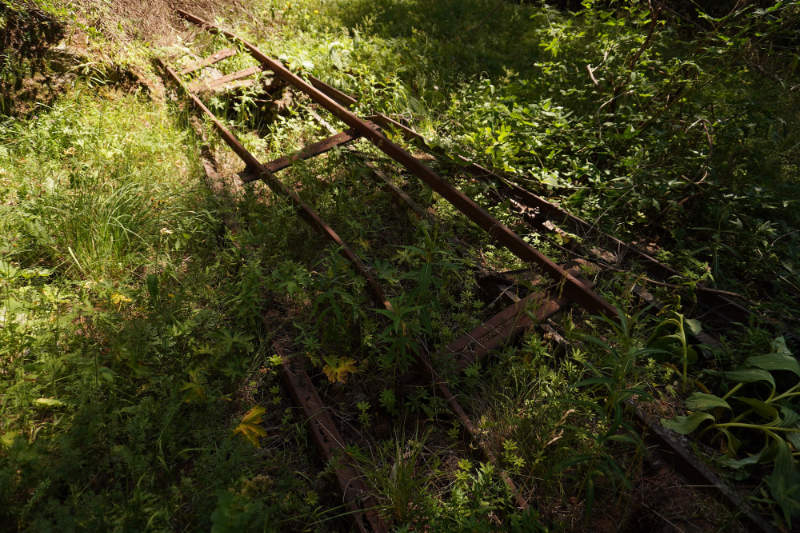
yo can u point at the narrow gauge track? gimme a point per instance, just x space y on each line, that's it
565 287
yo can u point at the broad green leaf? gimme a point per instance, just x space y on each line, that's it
784 483
789 416
737 464
686 424
794 438
694 326
750 375
775 361
764 410
700 401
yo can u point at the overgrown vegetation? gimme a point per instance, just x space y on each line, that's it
138 332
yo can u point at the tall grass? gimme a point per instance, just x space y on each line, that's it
119 348
92 184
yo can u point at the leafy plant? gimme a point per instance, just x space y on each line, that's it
250 426
754 410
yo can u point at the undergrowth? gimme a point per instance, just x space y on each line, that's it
139 334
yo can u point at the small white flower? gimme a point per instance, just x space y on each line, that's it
166 231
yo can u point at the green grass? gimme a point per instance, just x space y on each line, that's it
123 362
136 330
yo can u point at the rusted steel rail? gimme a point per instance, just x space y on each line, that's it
207 62
219 83
296 379
717 302
360 504
312 150
573 288
502 327
570 285
474 345
309 214
331 444
552 211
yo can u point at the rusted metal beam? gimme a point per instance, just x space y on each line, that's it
713 299
312 150
496 229
311 216
323 429
503 327
326 435
210 85
208 61
696 471
720 304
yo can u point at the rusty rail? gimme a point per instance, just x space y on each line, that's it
355 494
713 299
254 166
472 346
324 431
502 327
496 229
309 151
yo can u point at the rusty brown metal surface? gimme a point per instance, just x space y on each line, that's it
503 327
216 83
312 150
552 211
496 331
324 431
278 187
208 61
496 229
719 304
326 435
546 211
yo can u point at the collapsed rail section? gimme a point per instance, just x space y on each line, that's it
499 231
499 329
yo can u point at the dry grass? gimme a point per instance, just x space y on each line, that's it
153 21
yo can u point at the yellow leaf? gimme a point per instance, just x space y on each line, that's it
119 299
338 369
254 415
249 426
50 403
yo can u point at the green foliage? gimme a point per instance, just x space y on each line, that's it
135 331
118 356
754 423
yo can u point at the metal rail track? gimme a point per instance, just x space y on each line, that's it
298 381
609 252
501 328
499 231
471 347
